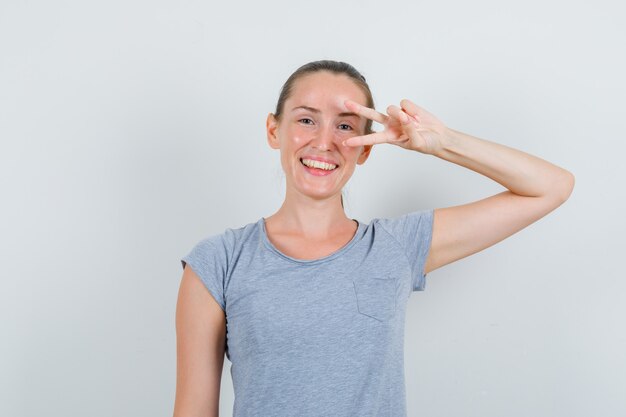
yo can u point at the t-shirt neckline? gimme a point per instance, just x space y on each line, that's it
344 248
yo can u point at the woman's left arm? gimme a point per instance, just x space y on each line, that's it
535 186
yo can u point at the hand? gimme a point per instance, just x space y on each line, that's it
409 127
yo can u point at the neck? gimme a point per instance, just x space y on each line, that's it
310 217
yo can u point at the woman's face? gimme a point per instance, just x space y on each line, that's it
313 124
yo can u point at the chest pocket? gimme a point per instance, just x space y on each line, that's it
376 296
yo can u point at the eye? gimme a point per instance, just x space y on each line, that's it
347 125
306 120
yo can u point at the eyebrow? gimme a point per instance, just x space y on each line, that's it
314 110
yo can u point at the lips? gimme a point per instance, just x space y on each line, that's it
317 172
319 158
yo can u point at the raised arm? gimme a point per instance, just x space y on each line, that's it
200 348
535 186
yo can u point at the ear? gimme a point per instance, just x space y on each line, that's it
271 125
364 154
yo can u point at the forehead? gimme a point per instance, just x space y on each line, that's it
325 90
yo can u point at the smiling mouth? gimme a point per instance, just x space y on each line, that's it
318 165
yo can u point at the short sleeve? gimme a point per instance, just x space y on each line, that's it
209 263
413 231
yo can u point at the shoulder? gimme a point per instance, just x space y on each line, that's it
413 230
226 242
214 256
399 223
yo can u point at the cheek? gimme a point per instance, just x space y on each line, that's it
351 153
297 136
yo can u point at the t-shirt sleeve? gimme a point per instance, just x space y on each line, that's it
209 263
414 232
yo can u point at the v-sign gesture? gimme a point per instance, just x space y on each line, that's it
409 126
535 186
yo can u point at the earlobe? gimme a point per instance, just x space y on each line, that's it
271 124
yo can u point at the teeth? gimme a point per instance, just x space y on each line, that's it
318 164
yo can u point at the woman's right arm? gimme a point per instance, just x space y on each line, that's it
200 347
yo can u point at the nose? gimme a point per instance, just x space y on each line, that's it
325 138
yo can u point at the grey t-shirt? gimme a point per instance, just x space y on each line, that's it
323 337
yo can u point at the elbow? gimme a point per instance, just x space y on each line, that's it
563 186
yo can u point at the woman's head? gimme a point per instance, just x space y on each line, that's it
311 122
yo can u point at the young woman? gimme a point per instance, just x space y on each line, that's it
308 304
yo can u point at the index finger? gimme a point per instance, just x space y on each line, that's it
366 111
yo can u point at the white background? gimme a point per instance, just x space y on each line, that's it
129 130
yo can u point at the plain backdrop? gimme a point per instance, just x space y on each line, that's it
130 130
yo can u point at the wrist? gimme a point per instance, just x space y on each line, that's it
449 139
